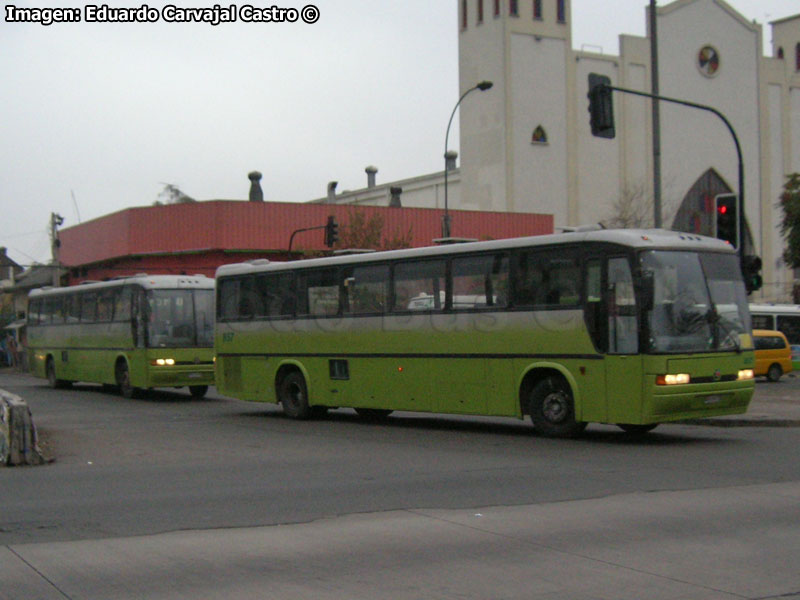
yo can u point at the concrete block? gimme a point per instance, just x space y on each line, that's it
18 441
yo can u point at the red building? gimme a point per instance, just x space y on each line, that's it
198 237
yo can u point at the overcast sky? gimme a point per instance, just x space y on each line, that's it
95 118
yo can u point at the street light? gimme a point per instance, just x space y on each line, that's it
482 86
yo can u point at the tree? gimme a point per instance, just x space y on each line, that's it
172 194
367 234
634 209
790 223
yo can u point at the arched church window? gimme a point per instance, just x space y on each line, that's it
561 11
480 11
463 14
513 8
537 9
780 52
496 8
539 135
797 57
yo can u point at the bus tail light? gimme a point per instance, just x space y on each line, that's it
673 379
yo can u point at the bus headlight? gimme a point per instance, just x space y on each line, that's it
673 379
745 374
163 362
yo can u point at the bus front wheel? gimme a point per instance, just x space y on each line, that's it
52 379
293 396
552 409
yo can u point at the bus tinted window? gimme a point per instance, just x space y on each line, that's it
228 301
788 325
88 307
419 285
480 281
276 296
73 308
547 278
318 293
122 304
105 306
367 289
763 322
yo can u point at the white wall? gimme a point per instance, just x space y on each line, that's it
539 97
694 140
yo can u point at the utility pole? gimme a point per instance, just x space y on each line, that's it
656 116
56 220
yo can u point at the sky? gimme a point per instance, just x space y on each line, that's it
99 117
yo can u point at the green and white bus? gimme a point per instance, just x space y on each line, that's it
136 333
629 327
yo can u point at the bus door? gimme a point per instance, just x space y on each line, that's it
623 361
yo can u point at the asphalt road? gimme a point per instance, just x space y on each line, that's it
172 498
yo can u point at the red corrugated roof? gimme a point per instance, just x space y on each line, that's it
267 226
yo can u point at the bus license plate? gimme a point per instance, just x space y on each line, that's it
195 375
712 400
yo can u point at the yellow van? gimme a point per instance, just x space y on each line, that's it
773 354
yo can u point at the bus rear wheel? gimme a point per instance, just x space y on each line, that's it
293 396
552 409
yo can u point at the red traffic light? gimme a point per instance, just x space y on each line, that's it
722 209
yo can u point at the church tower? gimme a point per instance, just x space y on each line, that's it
515 137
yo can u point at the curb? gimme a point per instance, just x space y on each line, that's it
18 439
754 421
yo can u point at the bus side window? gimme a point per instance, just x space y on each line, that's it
249 302
594 303
88 307
122 304
419 285
228 301
367 289
480 281
74 315
318 293
57 310
105 306
548 278
34 306
623 335
763 322
789 325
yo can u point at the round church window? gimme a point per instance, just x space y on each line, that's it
708 61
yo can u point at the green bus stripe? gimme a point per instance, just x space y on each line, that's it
402 355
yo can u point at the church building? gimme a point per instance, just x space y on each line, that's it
526 144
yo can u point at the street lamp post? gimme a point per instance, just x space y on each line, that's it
482 86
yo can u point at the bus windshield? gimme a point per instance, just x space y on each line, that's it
181 318
699 302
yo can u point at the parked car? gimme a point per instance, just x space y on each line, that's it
773 354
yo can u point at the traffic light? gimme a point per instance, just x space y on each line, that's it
331 232
751 271
726 221
601 106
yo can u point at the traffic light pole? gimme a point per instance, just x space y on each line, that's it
740 249
296 231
